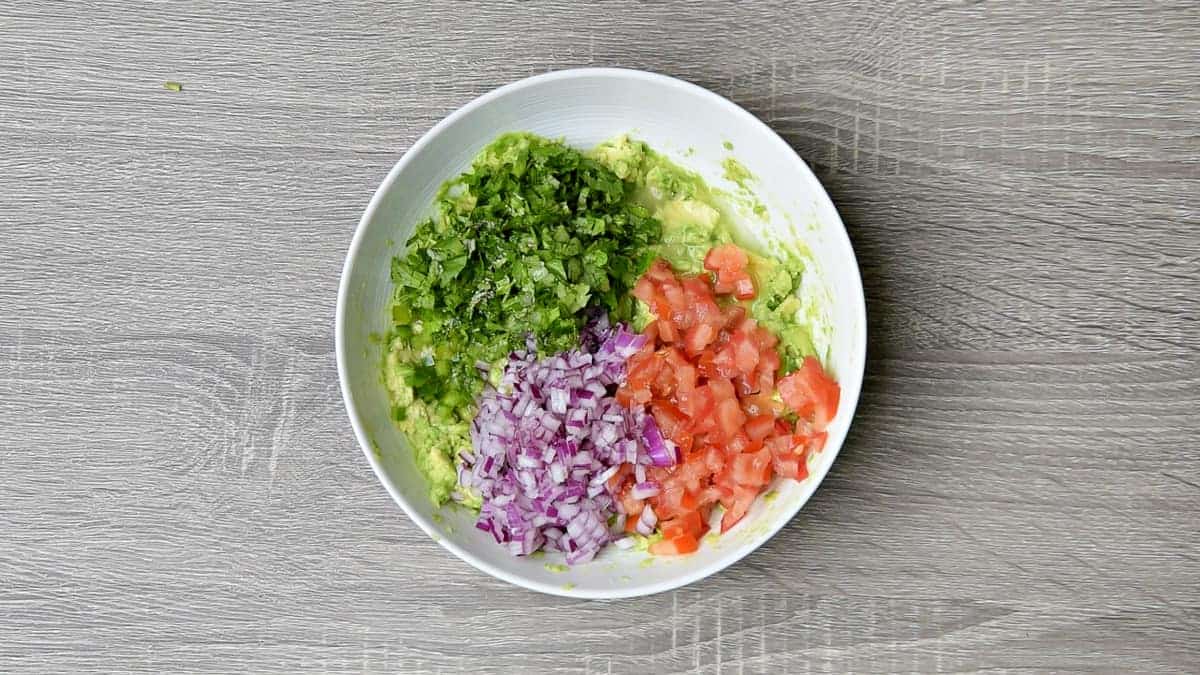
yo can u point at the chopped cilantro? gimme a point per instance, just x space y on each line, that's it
521 244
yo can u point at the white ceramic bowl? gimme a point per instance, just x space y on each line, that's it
692 126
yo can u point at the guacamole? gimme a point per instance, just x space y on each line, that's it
521 244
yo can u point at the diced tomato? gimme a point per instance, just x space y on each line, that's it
670 418
707 364
742 498
698 337
760 426
721 388
761 403
650 332
680 545
644 290
789 453
687 523
707 372
675 357
743 288
725 362
752 468
732 315
730 417
745 354
615 481
631 521
642 370
766 341
737 443
745 386
631 506
660 271
666 331
807 444
674 501
714 459
726 257
790 467
811 393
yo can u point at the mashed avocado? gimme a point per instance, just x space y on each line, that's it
436 440
695 218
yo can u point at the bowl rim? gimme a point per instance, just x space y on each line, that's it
340 348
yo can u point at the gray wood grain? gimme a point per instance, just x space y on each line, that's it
181 490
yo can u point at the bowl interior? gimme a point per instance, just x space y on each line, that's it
695 129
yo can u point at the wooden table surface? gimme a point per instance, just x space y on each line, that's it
181 490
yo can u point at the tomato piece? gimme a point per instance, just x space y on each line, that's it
714 459
673 502
811 393
707 311
666 331
642 370
732 315
761 403
768 356
740 503
743 288
631 521
675 357
726 361
687 523
707 364
660 271
745 354
631 506
726 257
644 290
670 419
752 469
730 417
704 404
623 471
807 444
685 377
790 467
698 337
745 386
789 453
766 340
760 426
738 443
721 388
680 545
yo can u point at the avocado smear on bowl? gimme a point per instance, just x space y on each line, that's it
522 244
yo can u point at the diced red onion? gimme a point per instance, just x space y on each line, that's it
645 490
647 521
661 451
544 451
